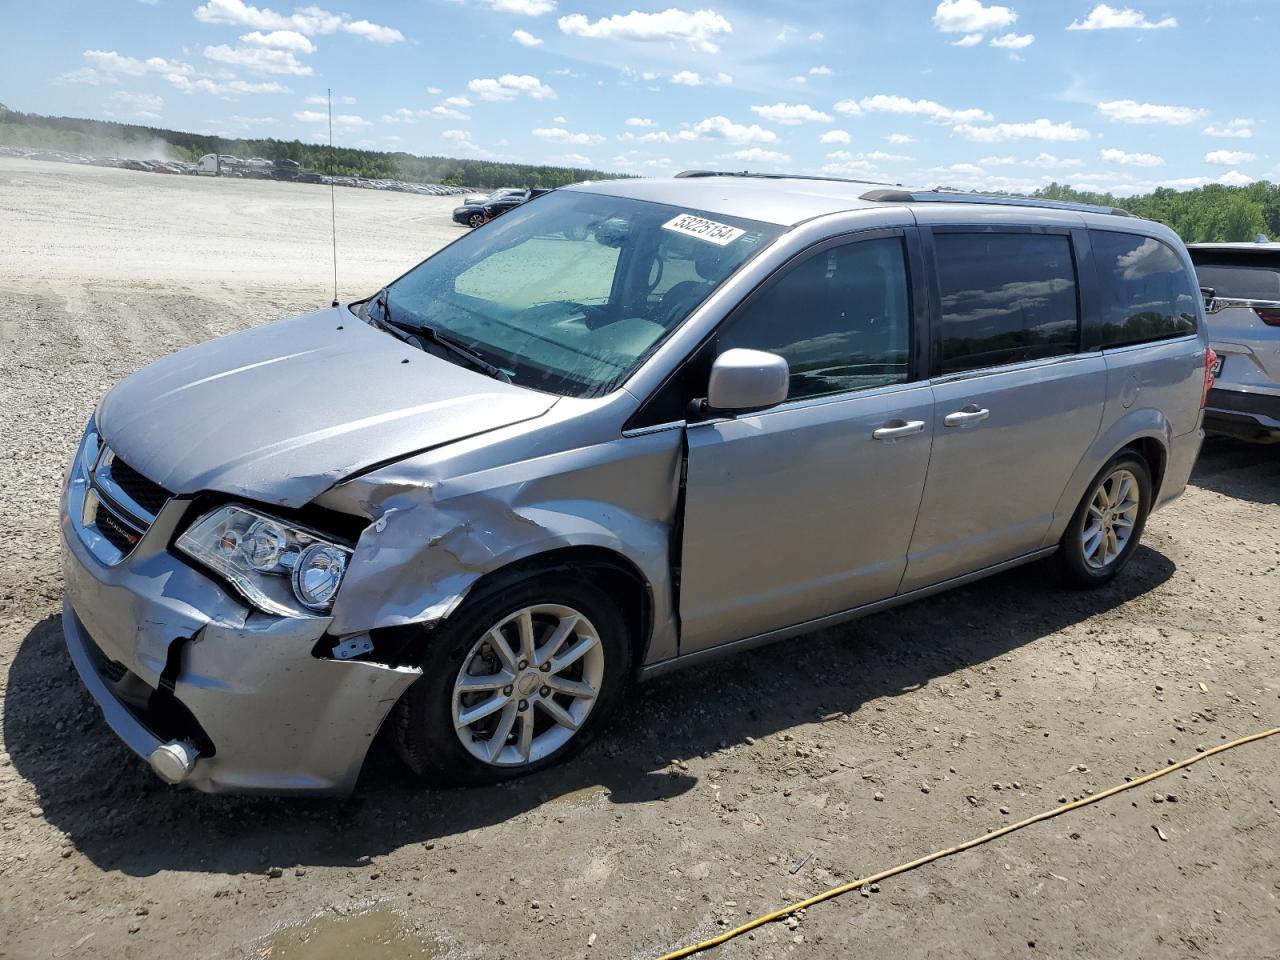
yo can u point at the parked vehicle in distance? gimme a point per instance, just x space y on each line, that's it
478 199
628 428
1242 283
475 215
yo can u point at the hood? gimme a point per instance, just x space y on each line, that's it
281 412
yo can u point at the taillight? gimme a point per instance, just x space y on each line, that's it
1210 359
1268 315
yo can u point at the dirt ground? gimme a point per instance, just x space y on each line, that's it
718 793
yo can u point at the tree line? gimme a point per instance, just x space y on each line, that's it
103 137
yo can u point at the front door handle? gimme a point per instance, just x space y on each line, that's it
897 429
966 417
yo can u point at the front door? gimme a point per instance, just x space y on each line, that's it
807 509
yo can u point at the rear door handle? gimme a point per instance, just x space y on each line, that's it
897 429
966 417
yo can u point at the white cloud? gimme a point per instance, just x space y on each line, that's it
799 78
1130 111
1235 178
971 16
1041 129
848 108
1229 158
461 142
1111 155
107 66
1103 17
574 160
1014 41
638 122
968 40
822 70
1041 161
698 29
434 91
347 120
900 138
280 40
509 86
722 128
529 8
373 31
791 113
835 136
817 36
559 120
442 112
760 155
258 59
310 21
457 102
884 103
525 38
320 101
688 78
1240 128
845 163
561 135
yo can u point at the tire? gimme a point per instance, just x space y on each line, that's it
422 723
475 220
1086 567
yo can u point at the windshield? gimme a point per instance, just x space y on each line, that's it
570 292
1240 282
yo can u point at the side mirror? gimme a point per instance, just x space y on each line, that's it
746 380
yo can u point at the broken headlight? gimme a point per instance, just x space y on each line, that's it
277 566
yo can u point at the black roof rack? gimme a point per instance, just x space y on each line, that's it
780 176
957 196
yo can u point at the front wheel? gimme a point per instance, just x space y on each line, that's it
518 679
1106 527
475 220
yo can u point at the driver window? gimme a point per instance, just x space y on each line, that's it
841 319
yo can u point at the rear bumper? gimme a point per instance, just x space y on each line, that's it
1245 415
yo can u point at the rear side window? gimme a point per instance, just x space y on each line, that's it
1146 294
1006 298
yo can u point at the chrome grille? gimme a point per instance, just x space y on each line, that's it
119 507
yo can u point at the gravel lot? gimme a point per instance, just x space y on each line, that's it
718 793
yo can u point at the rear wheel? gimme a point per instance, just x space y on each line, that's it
1106 527
519 679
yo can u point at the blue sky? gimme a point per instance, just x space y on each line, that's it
963 93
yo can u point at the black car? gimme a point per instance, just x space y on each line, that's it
495 205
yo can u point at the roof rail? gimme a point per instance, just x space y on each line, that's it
779 176
957 196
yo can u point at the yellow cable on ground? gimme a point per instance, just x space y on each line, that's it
967 845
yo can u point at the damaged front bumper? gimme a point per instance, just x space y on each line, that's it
215 696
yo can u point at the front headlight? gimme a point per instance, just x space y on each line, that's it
277 566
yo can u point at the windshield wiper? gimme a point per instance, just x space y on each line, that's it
435 336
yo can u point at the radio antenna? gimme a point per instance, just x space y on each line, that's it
333 206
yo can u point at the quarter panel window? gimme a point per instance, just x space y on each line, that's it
841 319
1006 298
1146 292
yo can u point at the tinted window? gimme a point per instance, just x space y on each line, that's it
841 318
1146 293
1006 298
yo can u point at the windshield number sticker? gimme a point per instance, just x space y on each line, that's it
721 234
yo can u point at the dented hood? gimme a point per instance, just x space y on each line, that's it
281 412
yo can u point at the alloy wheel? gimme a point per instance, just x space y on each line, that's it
1110 520
527 685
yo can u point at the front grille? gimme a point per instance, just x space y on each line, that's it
146 494
121 536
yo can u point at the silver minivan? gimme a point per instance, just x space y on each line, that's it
628 427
